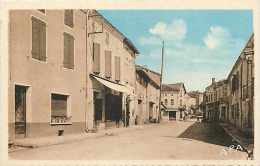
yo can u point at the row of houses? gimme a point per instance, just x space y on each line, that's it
178 102
231 100
73 71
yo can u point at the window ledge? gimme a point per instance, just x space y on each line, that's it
56 124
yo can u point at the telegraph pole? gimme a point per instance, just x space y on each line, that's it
160 96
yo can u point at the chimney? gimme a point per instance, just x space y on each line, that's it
213 80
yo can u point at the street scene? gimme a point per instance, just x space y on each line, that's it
166 141
88 84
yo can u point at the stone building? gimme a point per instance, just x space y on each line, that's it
173 96
111 75
232 100
47 65
148 91
216 104
241 90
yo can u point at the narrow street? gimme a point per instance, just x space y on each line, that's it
167 141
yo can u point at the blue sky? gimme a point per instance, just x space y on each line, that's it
199 44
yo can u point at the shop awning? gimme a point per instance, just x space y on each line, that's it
112 85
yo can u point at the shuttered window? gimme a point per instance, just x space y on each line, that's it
68 18
96 57
108 62
38 39
68 59
58 105
117 68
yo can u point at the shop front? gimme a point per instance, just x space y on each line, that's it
111 107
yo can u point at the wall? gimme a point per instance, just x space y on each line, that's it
44 78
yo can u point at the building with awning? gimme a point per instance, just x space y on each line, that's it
111 75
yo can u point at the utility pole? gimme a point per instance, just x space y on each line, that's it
160 96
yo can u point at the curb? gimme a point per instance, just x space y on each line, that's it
63 140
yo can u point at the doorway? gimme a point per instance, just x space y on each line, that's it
172 115
20 110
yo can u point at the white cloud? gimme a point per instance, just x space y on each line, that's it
217 37
176 30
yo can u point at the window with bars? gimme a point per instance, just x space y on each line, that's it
59 108
96 58
38 39
68 18
68 59
108 63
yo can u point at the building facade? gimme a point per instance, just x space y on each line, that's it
173 98
111 94
241 90
148 91
47 88
66 73
216 101
232 100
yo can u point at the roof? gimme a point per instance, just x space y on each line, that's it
153 76
125 39
239 58
173 87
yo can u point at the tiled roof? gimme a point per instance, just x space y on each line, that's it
172 87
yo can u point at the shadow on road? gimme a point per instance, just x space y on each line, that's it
207 132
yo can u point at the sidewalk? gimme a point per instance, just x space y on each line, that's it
54 140
246 143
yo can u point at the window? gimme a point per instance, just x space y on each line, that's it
68 18
59 108
38 39
108 62
166 101
96 58
68 59
117 68
172 102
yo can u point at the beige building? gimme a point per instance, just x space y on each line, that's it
232 100
111 92
190 102
216 103
173 96
47 87
241 90
66 73
147 99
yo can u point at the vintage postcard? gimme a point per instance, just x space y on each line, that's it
89 82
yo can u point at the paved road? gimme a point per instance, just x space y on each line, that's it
174 140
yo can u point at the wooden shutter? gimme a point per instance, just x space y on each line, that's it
96 57
38 39
108 62
68 17
68 59
117 68
43 42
